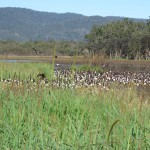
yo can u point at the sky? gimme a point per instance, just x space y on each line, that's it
122 8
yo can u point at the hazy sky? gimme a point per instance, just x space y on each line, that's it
123 8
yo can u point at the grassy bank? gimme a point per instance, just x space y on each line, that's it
47 118
22 71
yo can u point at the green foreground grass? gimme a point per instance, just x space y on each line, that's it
23 71
71 119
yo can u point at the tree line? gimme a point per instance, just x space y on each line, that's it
121 39
46 48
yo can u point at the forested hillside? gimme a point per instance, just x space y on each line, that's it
22 24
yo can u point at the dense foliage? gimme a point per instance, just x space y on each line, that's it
123 39
69 48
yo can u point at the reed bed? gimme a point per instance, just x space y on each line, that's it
48 118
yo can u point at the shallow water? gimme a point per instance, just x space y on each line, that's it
111 67
19 61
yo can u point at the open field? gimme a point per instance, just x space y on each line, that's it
36 114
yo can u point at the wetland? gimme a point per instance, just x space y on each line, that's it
56 106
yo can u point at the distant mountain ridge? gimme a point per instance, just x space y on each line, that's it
21 24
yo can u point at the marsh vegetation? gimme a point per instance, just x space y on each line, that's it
36 115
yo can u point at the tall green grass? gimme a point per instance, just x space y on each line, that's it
66 119
87 68
25 70
72 119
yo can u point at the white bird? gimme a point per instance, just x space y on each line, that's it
57 65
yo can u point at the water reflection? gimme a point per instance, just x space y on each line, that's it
25 60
